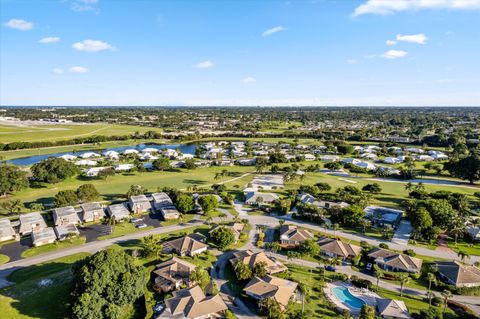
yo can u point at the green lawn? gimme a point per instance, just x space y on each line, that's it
4 259
124 228
204 260
32 133
28 298
115 187
465 246
34 251
186 218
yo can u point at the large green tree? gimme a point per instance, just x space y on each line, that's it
53 170
87 192
104 283
222 237
161 164
467 168
66 198
208 203
185 203
12 179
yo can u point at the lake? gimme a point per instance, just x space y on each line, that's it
30 160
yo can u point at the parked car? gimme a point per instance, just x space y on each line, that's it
142 225
158 308
136 220
369 266
330 268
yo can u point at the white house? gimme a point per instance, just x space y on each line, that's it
6 230
89 155
129 151
123 167
43 237
68 157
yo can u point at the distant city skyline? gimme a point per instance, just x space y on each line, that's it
245 53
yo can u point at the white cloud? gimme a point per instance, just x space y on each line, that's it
57 71
273 30
394 54
19 24
47 40
351 61
84 5
92 46
388 7
78 69
249 79
390 42
205 65
413 38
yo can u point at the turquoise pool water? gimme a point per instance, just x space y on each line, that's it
347 298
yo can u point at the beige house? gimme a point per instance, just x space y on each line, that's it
392 309
139 204
63 216
458 274
191 303
43 237
172 274
62 232
31 222
335 248
393 261
185 246
118 211
254 198
92 212
6 230
271 287
161 200
250 258
292 236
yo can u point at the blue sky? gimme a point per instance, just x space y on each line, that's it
243 52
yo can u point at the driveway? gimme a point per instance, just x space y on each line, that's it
402 235
14 250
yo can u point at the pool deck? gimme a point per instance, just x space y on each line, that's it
367 296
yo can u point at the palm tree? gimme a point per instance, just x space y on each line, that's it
378 274
365 224
431 278
446 294
335 227
403 279
408 186
463 255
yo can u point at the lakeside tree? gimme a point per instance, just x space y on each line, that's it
161 164
53 170
104 173
189 164
222 237
104 283
208 203
12 179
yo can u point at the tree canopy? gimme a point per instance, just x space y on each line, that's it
12 179
53 170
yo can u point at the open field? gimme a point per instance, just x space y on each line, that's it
34 133
40 291
34 251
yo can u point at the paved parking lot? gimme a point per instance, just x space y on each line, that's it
14 250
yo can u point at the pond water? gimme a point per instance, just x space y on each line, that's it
30 160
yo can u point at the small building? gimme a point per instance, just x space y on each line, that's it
43 237
89 155
65 216
118 211
122 167
161 200
68 157
250 258
185 246
92 212
281 290
63 232
393 261
292 236
335 248
6 230
381 216
172 274
169 212
31 222
191 303
86 162
458 274
392 309
139 204
253 198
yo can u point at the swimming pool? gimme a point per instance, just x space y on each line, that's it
344 295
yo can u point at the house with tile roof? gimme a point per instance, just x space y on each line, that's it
392 309
458 274
292 236
185 246
281 290
393 261
171 274
335 248
250 258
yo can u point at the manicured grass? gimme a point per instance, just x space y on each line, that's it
58 132
464 246
204 260
28 299
186 218
115 187
4 259
211 214
34 251
124 228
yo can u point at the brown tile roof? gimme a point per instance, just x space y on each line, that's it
458 273
250 258
339 248
293 233
173 269
279 289
192 303
390 308
184 245
396 260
